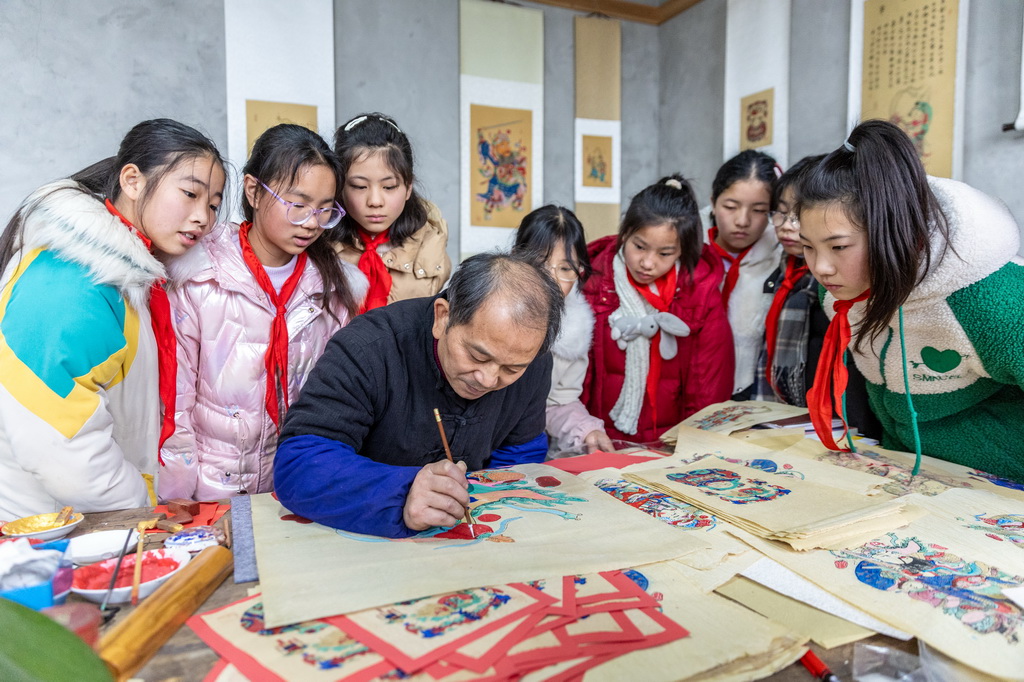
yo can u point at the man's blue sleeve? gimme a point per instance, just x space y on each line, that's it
530 452
327 482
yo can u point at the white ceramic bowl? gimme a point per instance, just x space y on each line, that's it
38 526
121 595
106 544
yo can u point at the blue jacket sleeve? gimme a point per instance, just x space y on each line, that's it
530 452
327 482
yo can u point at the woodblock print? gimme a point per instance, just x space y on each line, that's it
597 161
501 167
604 535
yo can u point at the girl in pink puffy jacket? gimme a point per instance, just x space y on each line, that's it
258 304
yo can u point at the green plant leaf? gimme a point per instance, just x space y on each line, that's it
37 649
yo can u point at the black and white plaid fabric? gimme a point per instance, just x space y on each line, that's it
790 361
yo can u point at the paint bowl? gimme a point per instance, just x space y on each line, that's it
106 544
41 526
158 565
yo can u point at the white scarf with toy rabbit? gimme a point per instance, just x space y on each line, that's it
633 325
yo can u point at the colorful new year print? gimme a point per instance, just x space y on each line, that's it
729 486
501 166
969 591
659 505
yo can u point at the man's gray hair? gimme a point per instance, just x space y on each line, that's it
534 297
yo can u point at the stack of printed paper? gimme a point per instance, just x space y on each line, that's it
803 514
565 625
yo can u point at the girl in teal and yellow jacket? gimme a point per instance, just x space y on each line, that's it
925 289
86 342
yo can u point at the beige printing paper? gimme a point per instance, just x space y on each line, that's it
732 415
532 521
932 580
725 639
803 513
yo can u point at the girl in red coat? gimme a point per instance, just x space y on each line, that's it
662 345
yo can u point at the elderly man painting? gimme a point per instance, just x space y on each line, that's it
360 449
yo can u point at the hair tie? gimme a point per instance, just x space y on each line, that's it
849 147
360 119
672 182
778 171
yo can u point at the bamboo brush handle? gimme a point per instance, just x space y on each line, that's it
132 642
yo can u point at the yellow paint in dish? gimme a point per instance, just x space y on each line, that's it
37 523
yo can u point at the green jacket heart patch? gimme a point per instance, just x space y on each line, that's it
940 360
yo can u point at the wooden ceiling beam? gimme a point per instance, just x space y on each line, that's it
616 9
624 9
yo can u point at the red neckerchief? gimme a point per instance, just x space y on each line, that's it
371 265
734 264
276 359
826 395
166 342
795 269
666 285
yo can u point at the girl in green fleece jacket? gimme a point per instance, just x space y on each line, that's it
924 288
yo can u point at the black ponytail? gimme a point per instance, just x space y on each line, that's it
878 181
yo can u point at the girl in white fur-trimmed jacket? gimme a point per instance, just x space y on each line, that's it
87 347
740 199
554 236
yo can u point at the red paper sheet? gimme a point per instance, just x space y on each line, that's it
209 514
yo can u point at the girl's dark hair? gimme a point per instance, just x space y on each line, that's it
881 187
156 147
670 200
278 155
792 178
376 133
547 226
747 165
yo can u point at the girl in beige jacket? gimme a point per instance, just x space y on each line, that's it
396 238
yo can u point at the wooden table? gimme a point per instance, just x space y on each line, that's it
187 658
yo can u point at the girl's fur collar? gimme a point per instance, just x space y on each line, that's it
66 219
573 342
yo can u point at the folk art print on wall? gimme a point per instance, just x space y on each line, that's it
501 166
524 519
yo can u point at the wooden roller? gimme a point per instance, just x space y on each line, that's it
132 642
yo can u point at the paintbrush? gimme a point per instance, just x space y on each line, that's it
448 454
137 577
113 578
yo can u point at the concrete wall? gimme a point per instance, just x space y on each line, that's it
994 160
292 76
401 58
641 113
818 61
76 76
692 81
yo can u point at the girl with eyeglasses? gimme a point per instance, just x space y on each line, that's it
924 290
740 201
796 323
662 347
395 237
87 376
553 236
259 303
